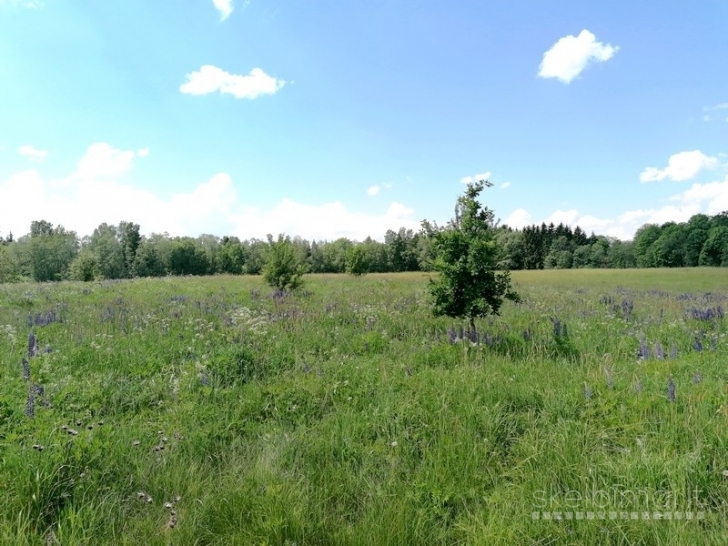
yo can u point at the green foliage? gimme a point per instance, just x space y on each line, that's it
85 267
356 260
284 266
467 258
50 251
8 267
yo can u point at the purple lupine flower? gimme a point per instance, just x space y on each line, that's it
643 353
527 335
32 345
26 370
627 309
671 394
451 335
713 343
698 345
557 327
673 351
659 351
608 376
30 404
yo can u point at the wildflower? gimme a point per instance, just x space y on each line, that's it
643 353
587 392
30 404
38 447
659 351
26 370
135 443
141 495
204 379
673 351
698 345
671 395
608 376
394 444
32 345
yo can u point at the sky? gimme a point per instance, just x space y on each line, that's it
328 119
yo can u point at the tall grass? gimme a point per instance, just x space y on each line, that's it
210 411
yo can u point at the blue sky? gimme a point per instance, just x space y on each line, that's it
329 118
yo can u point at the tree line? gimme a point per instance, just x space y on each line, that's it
52 253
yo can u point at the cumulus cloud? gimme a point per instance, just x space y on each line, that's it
475 178
211 78
225 7
33 153
710 198
95 193
519 218
505 185
374 190
104 161
326 221
680 167
570 55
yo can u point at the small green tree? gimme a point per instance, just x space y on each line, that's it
356 260
467 255
284 266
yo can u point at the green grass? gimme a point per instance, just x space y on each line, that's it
344 415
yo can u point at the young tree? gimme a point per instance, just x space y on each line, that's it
284 267
356 260
467 256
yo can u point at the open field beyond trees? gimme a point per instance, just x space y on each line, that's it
211 410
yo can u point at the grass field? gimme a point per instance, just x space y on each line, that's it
211 411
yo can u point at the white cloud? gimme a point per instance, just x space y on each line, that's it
225 7
475 178
721 106
94 193
519 218
326 221
505 185
373 190
27 4
710 198
680 167
32 153
571 54
143 152
717 108
104 161
211 78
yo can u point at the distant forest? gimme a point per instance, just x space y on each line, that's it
52 253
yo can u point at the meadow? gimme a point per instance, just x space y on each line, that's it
214 411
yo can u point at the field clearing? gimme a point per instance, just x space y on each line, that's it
213 411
